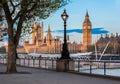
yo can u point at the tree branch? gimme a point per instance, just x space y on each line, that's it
19 29
23 10
17 4
13 7
8 18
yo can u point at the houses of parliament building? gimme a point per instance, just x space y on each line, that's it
49 44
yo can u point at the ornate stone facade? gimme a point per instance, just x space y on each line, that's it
48 44
41 44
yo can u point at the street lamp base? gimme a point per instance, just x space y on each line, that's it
65 53
63 65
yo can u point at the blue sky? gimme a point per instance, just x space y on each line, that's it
103 14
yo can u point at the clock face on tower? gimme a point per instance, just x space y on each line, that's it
84 27
89 27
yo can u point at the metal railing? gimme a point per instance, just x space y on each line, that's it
79 65
98 67
43 62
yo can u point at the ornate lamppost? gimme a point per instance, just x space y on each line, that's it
65 52
65 63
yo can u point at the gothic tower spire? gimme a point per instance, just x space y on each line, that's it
87 32
42 25
86 20
87 15
49 36
49 29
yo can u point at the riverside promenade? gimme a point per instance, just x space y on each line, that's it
39 76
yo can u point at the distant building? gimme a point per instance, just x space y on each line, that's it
49 44
41 44
113 42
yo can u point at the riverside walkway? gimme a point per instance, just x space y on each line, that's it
39 76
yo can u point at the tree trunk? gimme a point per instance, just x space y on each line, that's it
11 65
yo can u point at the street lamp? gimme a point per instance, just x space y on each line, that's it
65 52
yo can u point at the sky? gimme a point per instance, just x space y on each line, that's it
104 16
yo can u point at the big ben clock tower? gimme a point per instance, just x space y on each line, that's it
87 33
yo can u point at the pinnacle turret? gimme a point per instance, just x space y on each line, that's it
48 28
87 15
87 18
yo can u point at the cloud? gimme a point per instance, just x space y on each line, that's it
70 31
99 31
78 30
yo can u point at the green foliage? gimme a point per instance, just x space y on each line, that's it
24 12
31 9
